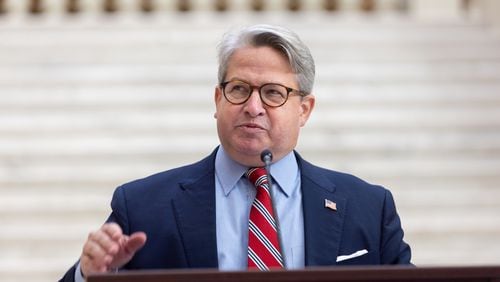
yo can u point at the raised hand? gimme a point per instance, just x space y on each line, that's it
108 248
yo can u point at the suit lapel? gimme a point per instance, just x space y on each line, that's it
194 209
322 225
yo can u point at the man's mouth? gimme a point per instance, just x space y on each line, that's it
251 126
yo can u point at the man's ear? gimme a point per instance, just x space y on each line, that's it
217 97
217 94
306 108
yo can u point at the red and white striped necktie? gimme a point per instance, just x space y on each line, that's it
263 245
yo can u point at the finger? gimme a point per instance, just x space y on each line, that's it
89 267
95 254
110 245
93 266
129 246
90 261
135 242
113 230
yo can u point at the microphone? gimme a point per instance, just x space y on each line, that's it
266 157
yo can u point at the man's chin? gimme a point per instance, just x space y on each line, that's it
253 149
249 155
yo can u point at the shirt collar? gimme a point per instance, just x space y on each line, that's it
228 172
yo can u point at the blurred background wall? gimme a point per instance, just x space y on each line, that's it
95 93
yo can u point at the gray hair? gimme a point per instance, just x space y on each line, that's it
280 39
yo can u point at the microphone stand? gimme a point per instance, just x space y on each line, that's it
266 156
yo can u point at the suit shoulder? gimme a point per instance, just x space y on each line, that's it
346 179
187 173
343 182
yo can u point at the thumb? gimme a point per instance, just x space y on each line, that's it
134 242
128 246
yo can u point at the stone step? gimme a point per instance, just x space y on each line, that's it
105 188
452 252
41 270
54 74
98 146
169 51
26 206
437 94
331 120
419 141
184 54
144 42
445 218
19 207
395 167
451 220
453 249
328 94
425 226
68 246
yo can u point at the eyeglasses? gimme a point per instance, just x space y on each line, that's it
271 94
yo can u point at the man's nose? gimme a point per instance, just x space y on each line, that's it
254 105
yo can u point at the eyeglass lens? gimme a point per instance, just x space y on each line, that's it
271 94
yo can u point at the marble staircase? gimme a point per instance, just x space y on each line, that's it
89 102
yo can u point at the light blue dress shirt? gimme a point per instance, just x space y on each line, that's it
233 199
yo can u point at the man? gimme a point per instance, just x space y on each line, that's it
198 216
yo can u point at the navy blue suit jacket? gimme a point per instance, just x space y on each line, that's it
176 209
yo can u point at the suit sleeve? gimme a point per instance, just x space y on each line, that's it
69 276
119 210
393 249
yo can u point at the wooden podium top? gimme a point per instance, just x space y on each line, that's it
337 274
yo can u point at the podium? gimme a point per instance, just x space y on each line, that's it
320 274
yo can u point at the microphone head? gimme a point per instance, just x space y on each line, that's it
266 156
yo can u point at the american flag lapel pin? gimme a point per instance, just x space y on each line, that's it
330 205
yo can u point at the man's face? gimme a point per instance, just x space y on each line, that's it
247 129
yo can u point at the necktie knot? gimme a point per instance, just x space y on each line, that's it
257 176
